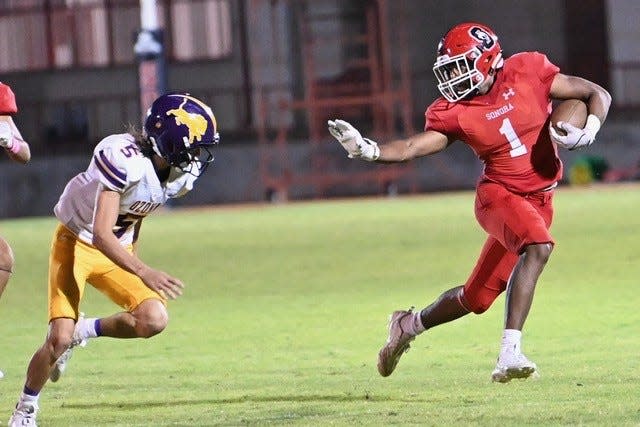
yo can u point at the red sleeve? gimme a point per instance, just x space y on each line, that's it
440 118
433 122
545 69
7 100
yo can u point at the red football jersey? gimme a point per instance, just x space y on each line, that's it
7 100
507 127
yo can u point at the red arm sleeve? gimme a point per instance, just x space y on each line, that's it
440 117
433 122
545 69
7 100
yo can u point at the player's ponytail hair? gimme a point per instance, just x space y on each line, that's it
141 139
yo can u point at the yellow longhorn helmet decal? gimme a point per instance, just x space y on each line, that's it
195 122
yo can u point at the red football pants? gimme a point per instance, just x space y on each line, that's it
512 221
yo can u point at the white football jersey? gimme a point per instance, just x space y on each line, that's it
118 165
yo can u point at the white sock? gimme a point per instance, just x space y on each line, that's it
511 341
30 399
418 327
412 324
87 328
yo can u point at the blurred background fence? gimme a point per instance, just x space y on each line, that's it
275 70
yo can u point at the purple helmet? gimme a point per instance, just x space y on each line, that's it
182 129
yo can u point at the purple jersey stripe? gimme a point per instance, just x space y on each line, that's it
107 163
116 183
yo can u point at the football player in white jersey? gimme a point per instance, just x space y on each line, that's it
18 150
100 212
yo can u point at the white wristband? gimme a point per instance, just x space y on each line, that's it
6 135
375 155
592 126
370 151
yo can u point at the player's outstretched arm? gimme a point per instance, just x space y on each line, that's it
418 145
12 141
400 150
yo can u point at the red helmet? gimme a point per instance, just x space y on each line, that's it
467 55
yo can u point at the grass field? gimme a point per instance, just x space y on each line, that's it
286 308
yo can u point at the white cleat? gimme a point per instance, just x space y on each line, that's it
1 375
513 365
61 364
397 343
24 415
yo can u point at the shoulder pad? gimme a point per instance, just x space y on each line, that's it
118 161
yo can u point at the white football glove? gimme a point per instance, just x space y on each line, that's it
6 136
576 138
352 141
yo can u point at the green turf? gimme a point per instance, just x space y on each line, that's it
286 308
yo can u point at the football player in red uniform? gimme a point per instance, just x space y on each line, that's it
500 107
17 149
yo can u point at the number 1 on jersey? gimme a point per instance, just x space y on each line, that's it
517 148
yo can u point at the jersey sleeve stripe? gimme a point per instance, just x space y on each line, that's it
113 169
106 174
106 169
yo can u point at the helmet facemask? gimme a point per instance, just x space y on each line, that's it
194 159
457 76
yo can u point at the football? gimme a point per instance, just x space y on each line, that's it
572 111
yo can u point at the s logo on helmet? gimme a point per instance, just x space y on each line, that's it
196 124
482 36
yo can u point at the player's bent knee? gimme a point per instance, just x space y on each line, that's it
480 308
57 344
151 326
151 318
60 336
154 326
541 252
6 256
479 301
